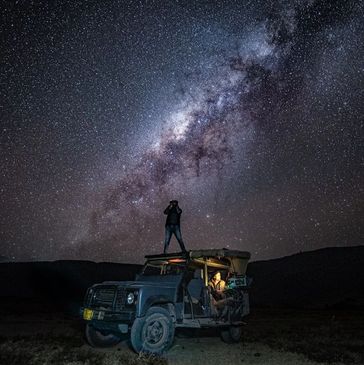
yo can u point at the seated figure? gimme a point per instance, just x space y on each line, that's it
217 286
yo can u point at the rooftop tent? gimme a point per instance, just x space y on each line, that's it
239 265
238 259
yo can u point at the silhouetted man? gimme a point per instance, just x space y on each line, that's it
173 212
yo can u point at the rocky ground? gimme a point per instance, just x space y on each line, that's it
270 337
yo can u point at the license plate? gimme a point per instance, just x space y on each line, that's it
88 314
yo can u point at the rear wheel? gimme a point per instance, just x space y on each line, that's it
153 333
97 338
231 334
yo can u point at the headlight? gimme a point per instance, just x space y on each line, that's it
130 298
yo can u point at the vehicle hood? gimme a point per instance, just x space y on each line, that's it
150 281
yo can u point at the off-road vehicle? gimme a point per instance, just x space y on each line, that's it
172 291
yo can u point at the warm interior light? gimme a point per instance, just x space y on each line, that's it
176 260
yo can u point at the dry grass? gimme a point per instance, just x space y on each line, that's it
322 336
64 350
271 337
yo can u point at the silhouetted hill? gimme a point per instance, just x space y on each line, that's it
329 277
57 285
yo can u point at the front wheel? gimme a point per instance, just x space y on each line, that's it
97 338
231 334
153 333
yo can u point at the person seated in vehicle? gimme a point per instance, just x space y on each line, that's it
217 286
219 301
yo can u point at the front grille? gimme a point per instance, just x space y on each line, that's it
106 296
120 298
103 296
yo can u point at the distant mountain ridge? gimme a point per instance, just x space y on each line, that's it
325 278
328 277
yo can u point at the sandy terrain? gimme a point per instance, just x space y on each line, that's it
271 337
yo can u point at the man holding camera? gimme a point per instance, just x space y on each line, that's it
173 212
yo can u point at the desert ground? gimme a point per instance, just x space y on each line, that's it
276 337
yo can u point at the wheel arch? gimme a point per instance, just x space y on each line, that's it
159 301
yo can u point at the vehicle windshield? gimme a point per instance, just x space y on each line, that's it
164 267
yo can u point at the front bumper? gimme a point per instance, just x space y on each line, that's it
95 316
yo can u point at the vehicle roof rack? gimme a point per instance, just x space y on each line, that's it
223 252
169 255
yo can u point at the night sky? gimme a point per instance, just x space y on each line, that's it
250 113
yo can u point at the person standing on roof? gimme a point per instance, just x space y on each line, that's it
173 221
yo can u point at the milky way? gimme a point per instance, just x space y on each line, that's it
250 116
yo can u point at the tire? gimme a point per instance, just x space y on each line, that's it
98 339
231 334
153 333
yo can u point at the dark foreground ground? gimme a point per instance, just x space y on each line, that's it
270 337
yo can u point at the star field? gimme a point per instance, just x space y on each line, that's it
249 113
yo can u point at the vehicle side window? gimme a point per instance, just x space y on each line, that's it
152 270
173 269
